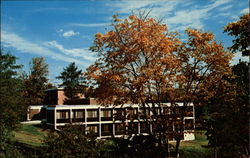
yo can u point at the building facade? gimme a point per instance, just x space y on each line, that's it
120 120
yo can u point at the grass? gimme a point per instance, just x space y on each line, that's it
195 149
30 134
33 135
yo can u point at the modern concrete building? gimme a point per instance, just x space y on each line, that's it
129 119
120 120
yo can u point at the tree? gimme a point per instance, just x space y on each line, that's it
72 81
72 142
204 63
12 104
141 62
240 29
227 115
37 81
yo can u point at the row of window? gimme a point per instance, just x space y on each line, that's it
132 128
119 113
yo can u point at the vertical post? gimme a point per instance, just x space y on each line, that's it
70 115
99 116
55 117
85 120
113 120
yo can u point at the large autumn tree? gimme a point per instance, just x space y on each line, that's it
240 30
141 62
36 82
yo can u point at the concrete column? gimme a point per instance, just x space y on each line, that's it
100 127
55 117
85 120
70 115
113 119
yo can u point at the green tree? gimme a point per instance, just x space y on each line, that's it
72 81
72 142
37 81
240 30
227 115
12 104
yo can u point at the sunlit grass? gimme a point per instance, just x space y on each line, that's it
30 134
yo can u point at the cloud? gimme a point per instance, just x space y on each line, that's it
245 11
69 33
13 40
90 25
76 52
225 8
175 13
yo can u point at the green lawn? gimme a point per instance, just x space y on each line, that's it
194 149
31 134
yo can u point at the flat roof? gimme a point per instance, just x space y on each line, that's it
100 106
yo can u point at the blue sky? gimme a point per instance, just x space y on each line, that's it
63 31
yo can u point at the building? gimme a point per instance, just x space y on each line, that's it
116 121
109 121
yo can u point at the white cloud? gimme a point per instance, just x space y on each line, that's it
225 8
69 33
76 52
13 40
174 17
90 25
244 11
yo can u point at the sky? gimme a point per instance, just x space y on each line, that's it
63 31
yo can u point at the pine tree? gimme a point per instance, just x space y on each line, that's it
72 81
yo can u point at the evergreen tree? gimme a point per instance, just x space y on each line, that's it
72 81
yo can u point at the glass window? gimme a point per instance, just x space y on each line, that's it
62 114
92 113
189 124
106 113
79 114
92 128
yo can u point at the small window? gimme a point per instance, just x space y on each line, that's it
92 113
92 128
189 124
106 113
79 114
62 114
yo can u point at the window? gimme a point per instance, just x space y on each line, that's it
92 128
189 124
119 128
144 127
92 113
119 114
106 113
107 129
79 114
62 114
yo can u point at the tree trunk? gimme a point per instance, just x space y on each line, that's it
177 148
